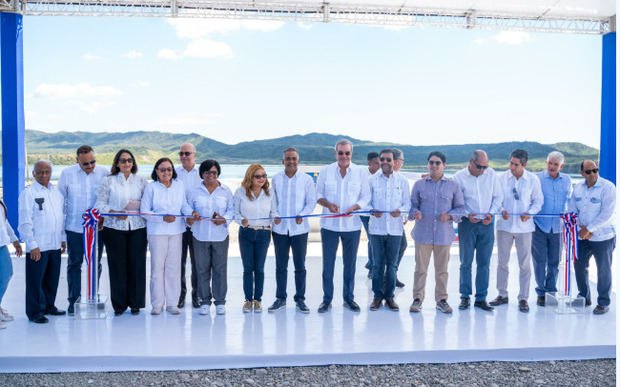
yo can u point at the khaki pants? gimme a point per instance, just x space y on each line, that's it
441 254
523 243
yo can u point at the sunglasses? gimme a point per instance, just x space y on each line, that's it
341 153
433 162
87 163
163 170
213 173
264 176
480 166
186 154
515 194
126 161
388 159
589 171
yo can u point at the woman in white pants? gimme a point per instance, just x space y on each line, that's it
165 196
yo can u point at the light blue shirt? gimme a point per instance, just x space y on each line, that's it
595 208
556 193
388 194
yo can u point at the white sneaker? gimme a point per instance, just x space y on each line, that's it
5 316
220 309
204 310
2 325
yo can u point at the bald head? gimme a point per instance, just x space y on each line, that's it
42 172
479 155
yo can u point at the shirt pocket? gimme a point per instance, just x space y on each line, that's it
353 192
331 189
220 204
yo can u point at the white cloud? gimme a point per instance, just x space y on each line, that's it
304 26
65 90
506 37
90 107
133 54
208 49
167 53
89 57
200 28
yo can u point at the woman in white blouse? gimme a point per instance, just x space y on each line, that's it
165 196
124 236
211 199
253 200
6 267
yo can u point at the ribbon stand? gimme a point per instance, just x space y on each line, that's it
91 305
563 301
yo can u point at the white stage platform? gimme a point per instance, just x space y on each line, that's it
289 338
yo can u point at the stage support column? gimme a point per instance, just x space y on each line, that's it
12 84
608 106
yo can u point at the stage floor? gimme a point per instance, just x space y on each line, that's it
290 338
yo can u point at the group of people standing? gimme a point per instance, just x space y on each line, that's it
187 209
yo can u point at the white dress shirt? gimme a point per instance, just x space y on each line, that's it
595 208
294 196
369 175
189 178
80 192
522 195
205 203
7 235
159 199
482 194
115 193
345 192
41 225
388 194
262 206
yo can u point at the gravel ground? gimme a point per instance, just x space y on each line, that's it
549 373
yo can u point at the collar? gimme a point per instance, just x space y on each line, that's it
37 185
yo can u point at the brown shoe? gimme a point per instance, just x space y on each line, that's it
391 304
376 303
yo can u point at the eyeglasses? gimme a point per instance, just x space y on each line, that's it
163 170
87 163
515 194
290 158
341 153
125 161
433 162
264 176
387 159
589 171
480 166
213 173
186 154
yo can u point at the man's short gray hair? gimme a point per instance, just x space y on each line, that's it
42 161
344 141
398 154
555 155
477 153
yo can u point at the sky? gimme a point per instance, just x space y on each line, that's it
240 80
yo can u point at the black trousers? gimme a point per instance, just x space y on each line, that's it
42 283
127 266
188 245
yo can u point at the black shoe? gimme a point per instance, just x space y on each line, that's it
600 309
56 312
181 303
523 306
499 300
540 301
71 309
302 307
196 302
41 320
352 306
324 307
278 304
483 305
588 302
464 304
399 284
118 312
135 311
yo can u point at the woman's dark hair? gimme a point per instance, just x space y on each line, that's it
115 169
163 160
207 165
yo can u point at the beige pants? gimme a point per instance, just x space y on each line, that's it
523 243
441 254
165 269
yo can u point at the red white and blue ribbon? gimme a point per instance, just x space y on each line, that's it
90 218
570 245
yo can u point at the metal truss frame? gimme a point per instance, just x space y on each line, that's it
311 12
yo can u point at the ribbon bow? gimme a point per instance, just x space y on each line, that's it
90 218
570 244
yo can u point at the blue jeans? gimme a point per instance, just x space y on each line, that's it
386 248
41 283
6 270
350 242
365 220
75 255
603 253
253 245
478 238
546 251
282 244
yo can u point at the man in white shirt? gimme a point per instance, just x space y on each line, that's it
342 187
373 166
399 161
295 196
594 202
483 197
522 198
78 185
187 172
389 192
41 227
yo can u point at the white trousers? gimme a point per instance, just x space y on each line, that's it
523 243
165 269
